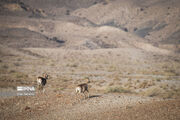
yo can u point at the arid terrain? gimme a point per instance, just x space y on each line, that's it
128 49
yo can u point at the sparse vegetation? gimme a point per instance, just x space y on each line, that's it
171 94
143 84
13 7
20 75
117 90
4 66
151 92
17 64
115 44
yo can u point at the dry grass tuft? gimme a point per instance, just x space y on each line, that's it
117 90
171 94
146 84
151 92
13 7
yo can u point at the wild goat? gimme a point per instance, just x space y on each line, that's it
41 81
82 88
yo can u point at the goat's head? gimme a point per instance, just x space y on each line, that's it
87 80
46 76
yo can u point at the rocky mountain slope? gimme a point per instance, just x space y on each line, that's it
104 24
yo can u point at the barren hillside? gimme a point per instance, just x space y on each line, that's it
128 49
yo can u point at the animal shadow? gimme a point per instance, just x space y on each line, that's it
94 96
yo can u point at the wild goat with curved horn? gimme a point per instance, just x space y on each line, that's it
41 81
82 88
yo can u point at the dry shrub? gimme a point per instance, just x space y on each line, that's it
164 86
128 84
13 7
117 90
170 73
146 84
151 92
143 84
111 83
171 94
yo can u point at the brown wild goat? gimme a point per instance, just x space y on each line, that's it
41 81
82 88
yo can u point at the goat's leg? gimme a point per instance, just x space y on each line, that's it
88 94
38 89
78 97
44 91
84 95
